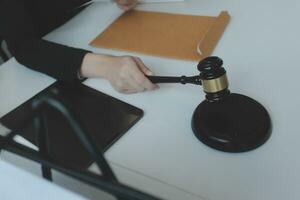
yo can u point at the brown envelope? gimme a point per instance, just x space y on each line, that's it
176 36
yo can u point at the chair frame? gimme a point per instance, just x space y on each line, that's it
3 55
107 181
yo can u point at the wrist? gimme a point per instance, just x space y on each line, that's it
95 65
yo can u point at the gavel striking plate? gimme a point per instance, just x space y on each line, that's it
225 121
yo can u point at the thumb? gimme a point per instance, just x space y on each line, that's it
143 67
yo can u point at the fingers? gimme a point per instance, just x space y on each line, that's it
134 74
141 79
126 4
128 86
141 82
127 75
143 67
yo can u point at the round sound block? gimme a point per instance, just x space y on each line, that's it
237 124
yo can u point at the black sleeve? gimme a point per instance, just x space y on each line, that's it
24 41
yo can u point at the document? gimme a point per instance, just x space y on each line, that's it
177 36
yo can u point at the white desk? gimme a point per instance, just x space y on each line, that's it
260 49
33 187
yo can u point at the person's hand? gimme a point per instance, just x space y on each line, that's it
126 5
126 74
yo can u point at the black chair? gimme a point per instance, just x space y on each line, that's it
3 55
107 181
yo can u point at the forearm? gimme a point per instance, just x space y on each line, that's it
58 61
22 32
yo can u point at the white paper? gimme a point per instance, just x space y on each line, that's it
140 1
144 1
158 1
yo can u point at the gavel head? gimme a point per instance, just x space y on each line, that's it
214 79
227 121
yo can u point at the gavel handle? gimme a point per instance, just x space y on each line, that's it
175 79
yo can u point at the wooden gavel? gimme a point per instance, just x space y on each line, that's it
225 121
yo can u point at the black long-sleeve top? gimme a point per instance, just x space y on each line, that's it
23 23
